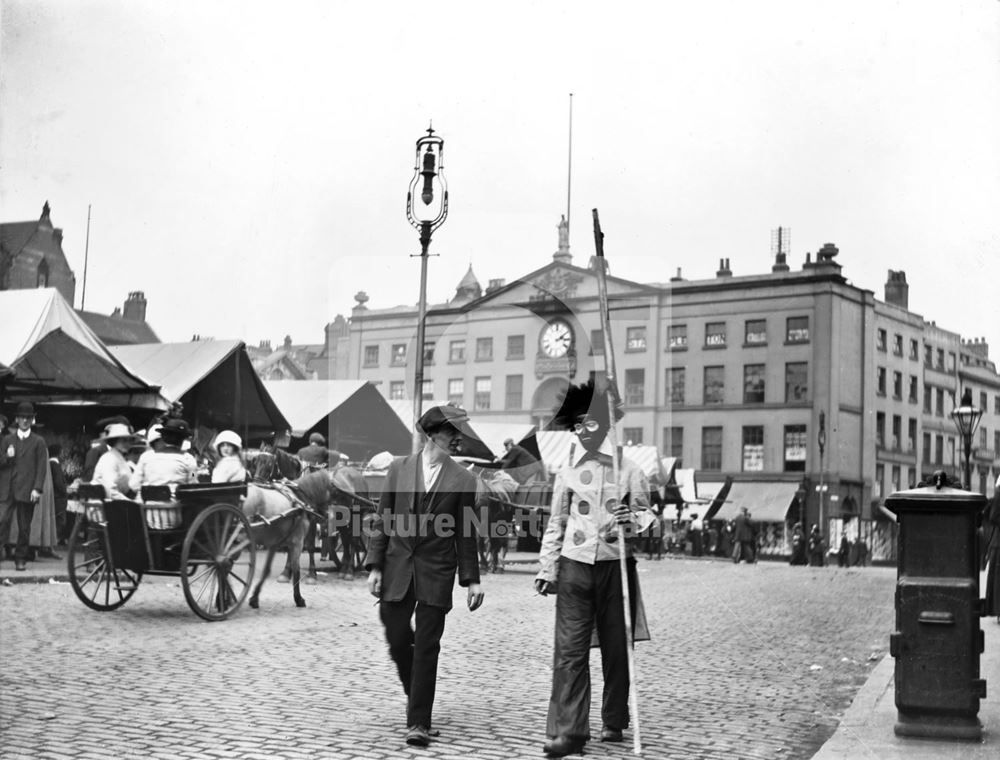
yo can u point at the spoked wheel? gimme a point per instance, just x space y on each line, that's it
96 581
217 562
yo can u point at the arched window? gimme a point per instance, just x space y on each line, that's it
42 279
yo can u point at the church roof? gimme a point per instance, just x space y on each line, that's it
117 331
469 281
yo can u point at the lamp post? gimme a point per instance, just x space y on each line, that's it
966 418
426 213
821 440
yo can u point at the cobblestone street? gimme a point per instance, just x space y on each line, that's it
746 662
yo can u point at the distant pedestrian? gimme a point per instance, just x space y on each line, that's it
799 556
63 522
695 536
745 538
315 455
814 547
24 463
845 550
521 463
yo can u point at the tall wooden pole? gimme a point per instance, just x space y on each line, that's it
612 396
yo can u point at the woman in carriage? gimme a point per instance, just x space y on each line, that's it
113 470
170 465
229 468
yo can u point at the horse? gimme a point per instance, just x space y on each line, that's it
350 507
280 519
496 490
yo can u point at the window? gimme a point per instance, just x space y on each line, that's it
996 444
928 399
982 401
515 390
42 274
428 352
715 387
927 449
673 442
982 438
427 392
711 448
796 381
756 332
398 354
371 356
715 335
928 356
795 448
484 349
635 339
797 330
753 448
515 346
675 385
951 450
880 339
939 449
880 381
897 344
939 364
481 396
895 477
951 361
914 349
911 435
939 402
596 342
633 436
911 477
996 405
456 391
456 351
897 431
897 385
914 389
397 390
879 485
880 429
753 384
635 387
677 336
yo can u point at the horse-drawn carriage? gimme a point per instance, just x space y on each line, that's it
197 532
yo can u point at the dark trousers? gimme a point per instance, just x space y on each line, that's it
745 550
415 652
25 511
589 594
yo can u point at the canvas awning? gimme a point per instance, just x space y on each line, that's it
55 356
213 379
768 501
352 415
493 434
554 447
646 456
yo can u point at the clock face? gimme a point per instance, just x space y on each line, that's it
557 337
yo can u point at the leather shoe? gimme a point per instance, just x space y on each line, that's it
418 736
563 745
611 734
20 564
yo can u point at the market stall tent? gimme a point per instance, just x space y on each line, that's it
54 356
352 415
214 380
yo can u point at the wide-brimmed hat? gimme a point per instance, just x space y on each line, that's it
116 431
25 409
228 436
175 428
437 417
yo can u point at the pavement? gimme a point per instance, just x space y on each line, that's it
863 732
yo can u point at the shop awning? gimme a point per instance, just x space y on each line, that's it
555 446
493 434
647 457
768 501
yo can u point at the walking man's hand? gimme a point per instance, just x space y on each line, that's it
476 597
375 583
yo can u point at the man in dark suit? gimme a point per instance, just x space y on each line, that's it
745 537
315 454
425 533
24 460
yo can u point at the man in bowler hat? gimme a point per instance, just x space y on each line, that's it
24 460
425 533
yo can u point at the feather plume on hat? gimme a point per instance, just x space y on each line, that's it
585 399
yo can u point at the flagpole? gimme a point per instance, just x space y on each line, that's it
612 397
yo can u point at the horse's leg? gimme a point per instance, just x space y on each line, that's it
295 555
310 547
265 571
286 574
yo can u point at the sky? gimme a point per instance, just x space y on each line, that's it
246 163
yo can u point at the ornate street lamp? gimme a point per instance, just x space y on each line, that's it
426 215
966 418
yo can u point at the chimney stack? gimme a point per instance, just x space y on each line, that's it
780 263
724 270
677 277
897 292
135 306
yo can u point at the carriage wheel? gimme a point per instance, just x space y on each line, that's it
217 562
95 580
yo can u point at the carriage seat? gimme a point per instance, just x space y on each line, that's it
162 511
